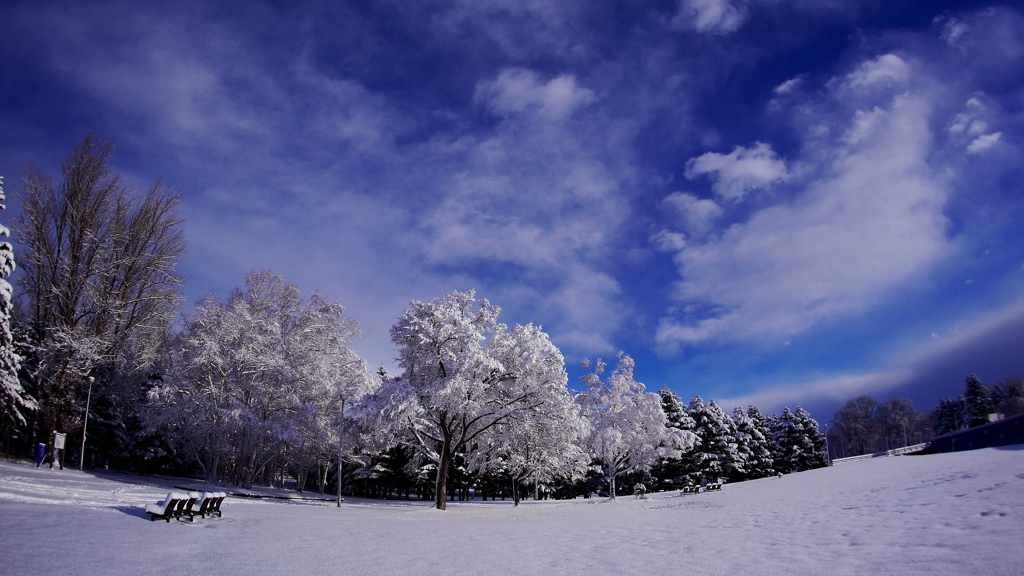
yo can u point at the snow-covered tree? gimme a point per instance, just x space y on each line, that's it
464 377
672 473
261 379
98 279
541 444
978 401
800 443
628 428
752 436
716 456
950 415
14 400
1011 397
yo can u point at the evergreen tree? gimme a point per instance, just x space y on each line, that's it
753 441
1012 395
800 444
719 458
978 401
671 473
950 416
13 398
813 447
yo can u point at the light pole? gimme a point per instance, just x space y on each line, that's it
85 424
828 453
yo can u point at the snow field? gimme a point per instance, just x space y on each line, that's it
942 514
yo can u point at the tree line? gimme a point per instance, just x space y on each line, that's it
264 385
865 426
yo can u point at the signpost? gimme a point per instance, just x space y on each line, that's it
58 444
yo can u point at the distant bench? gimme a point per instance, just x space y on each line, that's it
178 505
713 486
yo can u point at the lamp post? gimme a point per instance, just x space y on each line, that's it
828 453
85 424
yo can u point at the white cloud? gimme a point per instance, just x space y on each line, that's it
983 143
970 127
788 87
833 389
739 171
953 30
873 221
710 16
668 241
698 215
518 90
886 70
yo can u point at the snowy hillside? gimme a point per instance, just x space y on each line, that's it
942 514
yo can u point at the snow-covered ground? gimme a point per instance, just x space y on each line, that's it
944 514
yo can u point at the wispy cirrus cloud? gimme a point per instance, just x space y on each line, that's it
870 218
710 16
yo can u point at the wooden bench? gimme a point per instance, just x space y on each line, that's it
205 504
168 508
215 505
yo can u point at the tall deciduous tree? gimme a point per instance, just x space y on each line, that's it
464 376
855 425
99 276
543 443
897 420
261 378
628 428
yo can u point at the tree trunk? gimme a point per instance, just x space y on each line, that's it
611 486
341 463
441 491
515 491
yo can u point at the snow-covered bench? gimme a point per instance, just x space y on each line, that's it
717 486
204 504
215 505
170 507
691 489
186 510
209 504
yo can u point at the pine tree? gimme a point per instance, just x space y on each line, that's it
719 458
753 441
800 445
950 416
813 451
978 398
13 397
671 473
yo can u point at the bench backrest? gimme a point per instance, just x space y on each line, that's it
171 503
204 503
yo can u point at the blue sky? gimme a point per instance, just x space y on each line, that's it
776 202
